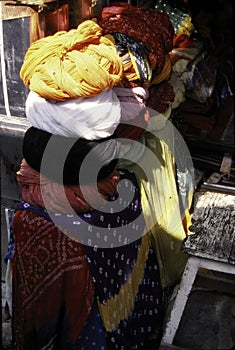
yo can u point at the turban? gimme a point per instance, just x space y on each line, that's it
89 117
77 63
60 158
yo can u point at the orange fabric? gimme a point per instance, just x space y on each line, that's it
182 40
37 189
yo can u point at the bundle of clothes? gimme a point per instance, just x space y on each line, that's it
97 236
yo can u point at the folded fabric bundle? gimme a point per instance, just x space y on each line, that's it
151 27
164 74
132 101
134 129
40 191
89 118
77 63
179 90
161 96
70 160
180 16
134 56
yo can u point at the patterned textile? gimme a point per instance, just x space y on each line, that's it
93 335
52 285
128 300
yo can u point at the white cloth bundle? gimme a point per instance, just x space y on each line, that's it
91 118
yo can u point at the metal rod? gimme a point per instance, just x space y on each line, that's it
218 188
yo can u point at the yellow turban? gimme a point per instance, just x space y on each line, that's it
77 63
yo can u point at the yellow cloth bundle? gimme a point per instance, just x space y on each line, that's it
155 168
77 63
165 73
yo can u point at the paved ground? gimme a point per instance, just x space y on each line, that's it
208 322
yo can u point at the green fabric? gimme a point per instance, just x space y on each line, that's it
155 171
